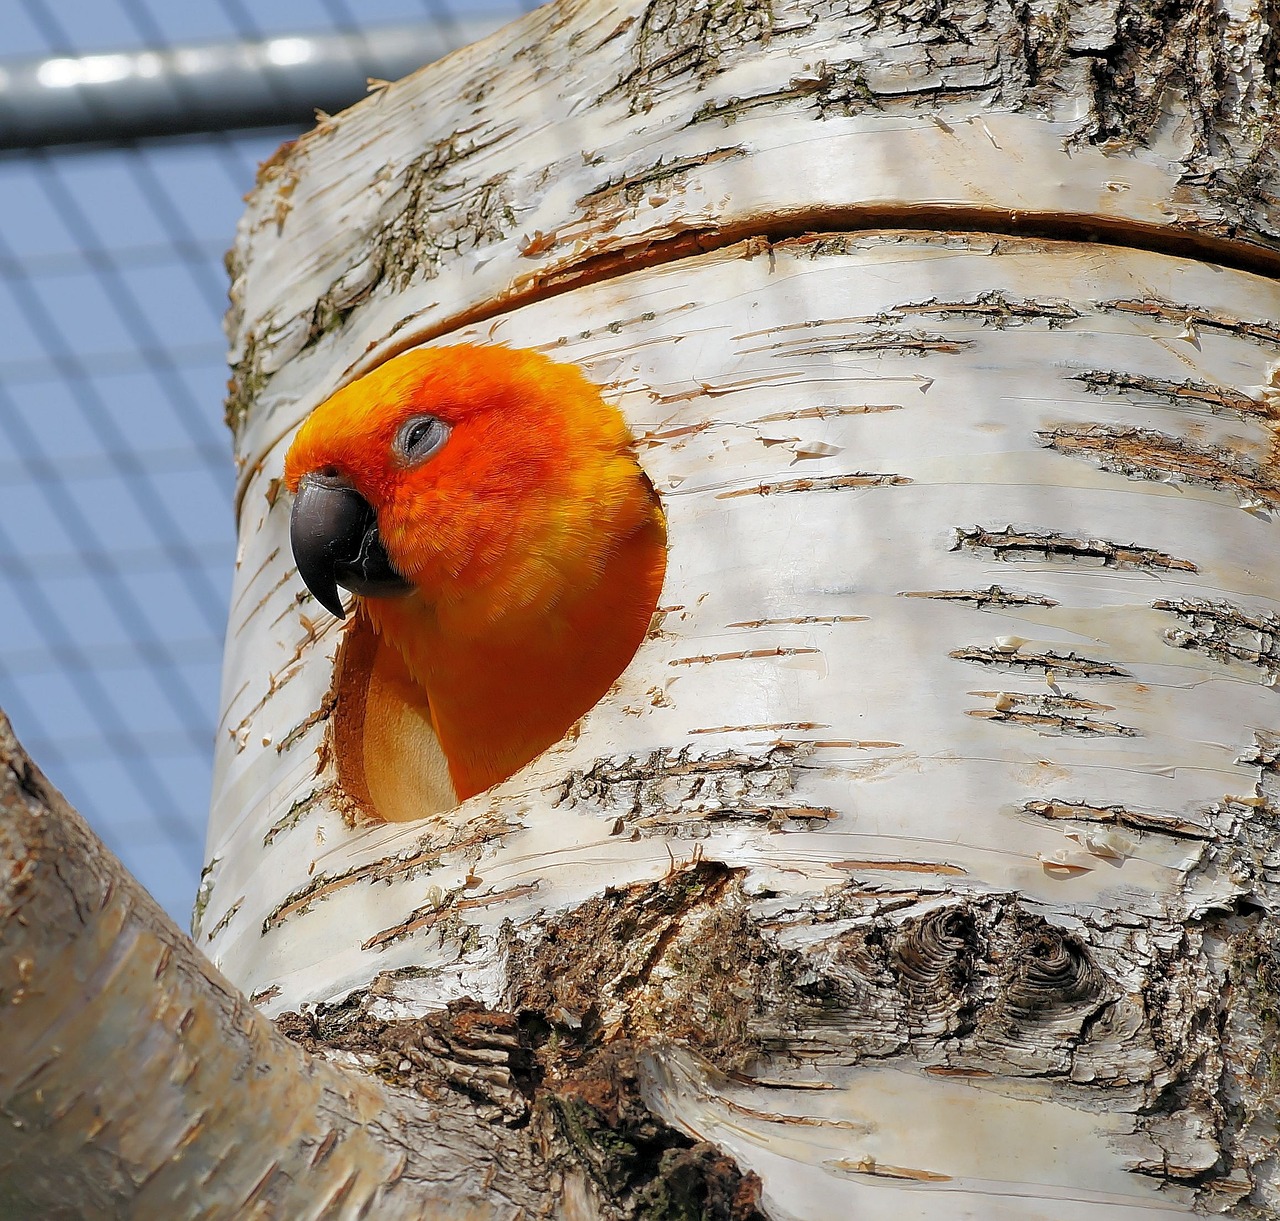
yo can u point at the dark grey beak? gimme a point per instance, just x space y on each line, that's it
334 534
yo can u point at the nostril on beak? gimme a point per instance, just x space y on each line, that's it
329 476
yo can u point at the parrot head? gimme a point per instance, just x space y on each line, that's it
490 481
487 508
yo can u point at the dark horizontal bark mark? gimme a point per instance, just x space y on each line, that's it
1218 399
433 913
1226 632
916 343
789 620
1013 544
1121 816
1194 316
703 659
310 721
896 865
998 309
771 817
681 791
226 919
993 595
423 856
826 413
1054 723
1065 664
1151 456
1051 714
831 88
292 816
631 189
818 483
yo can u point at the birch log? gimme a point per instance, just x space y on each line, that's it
927 850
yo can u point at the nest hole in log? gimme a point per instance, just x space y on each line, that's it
390 764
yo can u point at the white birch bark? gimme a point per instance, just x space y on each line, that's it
928 845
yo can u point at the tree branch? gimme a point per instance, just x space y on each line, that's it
136 1080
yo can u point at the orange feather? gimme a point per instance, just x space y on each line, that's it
534 542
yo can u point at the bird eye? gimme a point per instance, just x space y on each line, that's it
420 437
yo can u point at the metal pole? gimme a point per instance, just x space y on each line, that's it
224 86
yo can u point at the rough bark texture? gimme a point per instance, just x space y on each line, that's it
1194 81
137 1082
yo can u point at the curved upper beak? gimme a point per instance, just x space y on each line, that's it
334 534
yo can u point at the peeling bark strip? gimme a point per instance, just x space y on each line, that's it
1226 632
1014 544
1190 317
1217 399
1051 714
1068 665
1143 453
1121 816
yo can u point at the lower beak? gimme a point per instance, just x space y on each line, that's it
334 534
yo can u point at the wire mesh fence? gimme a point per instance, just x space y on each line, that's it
116 532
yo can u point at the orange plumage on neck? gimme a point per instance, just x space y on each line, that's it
534 542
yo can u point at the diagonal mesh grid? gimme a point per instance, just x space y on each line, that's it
116 531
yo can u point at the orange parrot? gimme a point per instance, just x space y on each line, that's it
486 505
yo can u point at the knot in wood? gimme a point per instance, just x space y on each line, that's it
1053 975
935 951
